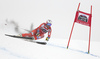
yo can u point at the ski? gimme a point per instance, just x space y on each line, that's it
28 39
18 36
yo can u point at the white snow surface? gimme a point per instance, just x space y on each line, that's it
62 12
14 48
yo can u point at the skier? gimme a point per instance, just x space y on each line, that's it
39 32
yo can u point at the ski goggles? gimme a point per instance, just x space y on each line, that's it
48 24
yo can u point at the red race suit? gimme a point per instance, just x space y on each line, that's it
41 30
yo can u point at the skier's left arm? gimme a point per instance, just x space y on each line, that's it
49 34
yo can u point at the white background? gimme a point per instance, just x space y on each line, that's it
61 12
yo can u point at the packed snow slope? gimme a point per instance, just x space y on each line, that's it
14 48
17 16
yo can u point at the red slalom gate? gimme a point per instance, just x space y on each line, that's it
84 19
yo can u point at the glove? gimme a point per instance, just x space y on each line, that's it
47 39
37 34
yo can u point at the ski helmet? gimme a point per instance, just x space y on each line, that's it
49 22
